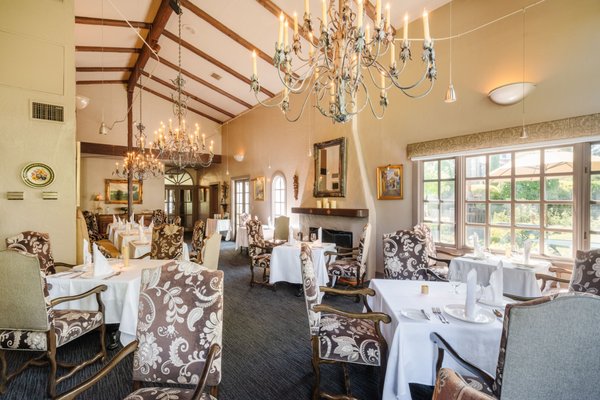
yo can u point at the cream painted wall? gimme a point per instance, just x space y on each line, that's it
558 35
48 30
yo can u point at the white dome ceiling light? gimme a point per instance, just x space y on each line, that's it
511 93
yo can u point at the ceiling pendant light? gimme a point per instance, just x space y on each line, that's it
450 93
524 134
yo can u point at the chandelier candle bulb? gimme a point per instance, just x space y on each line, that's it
378 14
383 84
324 16
280 38
426 29
286 32
392 55
254 69
310 46
359 15
387 16
307 7
295 23
405 36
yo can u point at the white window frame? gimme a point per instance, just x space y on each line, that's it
439 180
241 199
274 203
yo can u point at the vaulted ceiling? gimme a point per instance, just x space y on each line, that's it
218 38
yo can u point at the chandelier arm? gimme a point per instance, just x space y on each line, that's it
403 88
300 112
419 95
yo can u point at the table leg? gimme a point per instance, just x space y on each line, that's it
113 336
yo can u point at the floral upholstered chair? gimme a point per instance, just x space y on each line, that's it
92 226
258 250
37 244
176 220
339 337
29 322
350 264
159 217
167 242
548 350
197 241
586 272
179 335
436 262
405 257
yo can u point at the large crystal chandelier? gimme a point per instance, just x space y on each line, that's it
174 143
142 162
338 62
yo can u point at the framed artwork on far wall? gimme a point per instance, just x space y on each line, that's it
259 188
116 191
390 183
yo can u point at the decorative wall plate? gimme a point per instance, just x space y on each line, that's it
37 175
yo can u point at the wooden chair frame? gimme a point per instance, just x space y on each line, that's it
49 356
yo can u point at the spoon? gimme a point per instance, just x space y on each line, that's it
497 313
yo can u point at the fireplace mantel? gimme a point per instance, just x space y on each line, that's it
334 212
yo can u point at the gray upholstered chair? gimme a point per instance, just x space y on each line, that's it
405 257
29 322
259 251
198 241
37 244
282 228
350 264
211 252
548 350
339 337
175 344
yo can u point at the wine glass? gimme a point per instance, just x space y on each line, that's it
313 237
455 283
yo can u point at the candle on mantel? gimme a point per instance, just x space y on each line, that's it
427 41
295 23
405 37
324 16
359 15
387 16
254 70
378 14
280 38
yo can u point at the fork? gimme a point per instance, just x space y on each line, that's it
438 312
112 276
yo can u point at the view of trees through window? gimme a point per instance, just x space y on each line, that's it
439 199
595 197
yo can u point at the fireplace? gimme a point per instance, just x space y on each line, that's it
340 238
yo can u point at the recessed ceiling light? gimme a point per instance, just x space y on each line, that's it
216 76
189 29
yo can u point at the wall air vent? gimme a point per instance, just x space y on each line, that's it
216 76
47 112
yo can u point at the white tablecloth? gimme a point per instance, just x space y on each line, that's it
285 263
518 280
122 238
241 236
138 249
218 225
412 355
120 299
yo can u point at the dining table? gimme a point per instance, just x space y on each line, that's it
519 278
285 263
411 353
218 225
241 236
120 299
138 248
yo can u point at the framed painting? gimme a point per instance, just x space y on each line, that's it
116 191
259 188
390 183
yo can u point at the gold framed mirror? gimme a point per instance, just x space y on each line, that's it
330 168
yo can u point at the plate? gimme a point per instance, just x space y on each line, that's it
37 175
457 311
413 313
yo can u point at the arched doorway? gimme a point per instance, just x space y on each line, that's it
180 197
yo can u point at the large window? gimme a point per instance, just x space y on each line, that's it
439 199
242 198
595 196
278 196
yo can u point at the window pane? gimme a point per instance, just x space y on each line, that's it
558 161
476 190
500 214
595 187
527 214
447 233
559 188
475 213
527 189
595 217
430 170
447 212
475 167
431 212
447 169
559 216
447 190
479 230
435 231
499 238
596 157
499 189
500 165
594 241
559 244
527 162
521 235
430 191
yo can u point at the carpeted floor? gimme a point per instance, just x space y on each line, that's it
266 348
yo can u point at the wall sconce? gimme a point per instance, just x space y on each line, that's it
239 157
14 195
511 93
50 195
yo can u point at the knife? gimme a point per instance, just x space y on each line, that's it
425 314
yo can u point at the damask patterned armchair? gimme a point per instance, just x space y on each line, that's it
259 251
190 351
436 256
29 322
92 226
167 242
37 244
405 257
339 337
159 217
197 241
548 350
350 264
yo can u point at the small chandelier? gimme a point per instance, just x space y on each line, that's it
142 162
174 143
340 60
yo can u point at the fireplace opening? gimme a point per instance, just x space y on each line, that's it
340 238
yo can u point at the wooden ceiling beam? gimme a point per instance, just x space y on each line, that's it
213 61
167 98
205 83
111 22
158 26
100 81
103 69
104 49
190 95
117 150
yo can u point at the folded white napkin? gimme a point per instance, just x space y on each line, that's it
320 235
141 233
101 265
269 221
493 293
114 219
127 227
87 256
132 218
470 305
526 251
141 221
291 238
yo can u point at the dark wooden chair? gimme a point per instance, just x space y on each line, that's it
350 264
259 251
